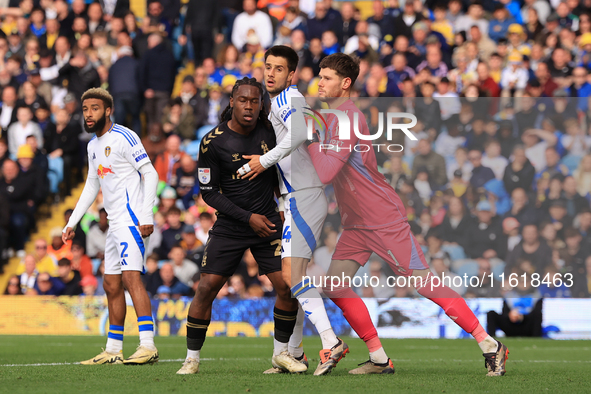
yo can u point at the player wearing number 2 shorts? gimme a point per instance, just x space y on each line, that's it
119 164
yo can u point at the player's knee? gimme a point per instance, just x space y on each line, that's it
131 279
283 291
112 287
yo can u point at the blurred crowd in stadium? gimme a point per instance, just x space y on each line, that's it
499 179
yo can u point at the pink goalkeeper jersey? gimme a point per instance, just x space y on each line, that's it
365 198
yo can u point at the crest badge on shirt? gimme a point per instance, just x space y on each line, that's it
204 175
107 151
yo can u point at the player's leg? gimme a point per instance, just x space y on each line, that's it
267 253
305 214
284 315
198 319
113 285
406 258
220 259
353 307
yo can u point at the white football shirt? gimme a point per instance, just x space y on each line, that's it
115 159
296 171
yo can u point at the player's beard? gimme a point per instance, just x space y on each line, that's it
277 89
98 125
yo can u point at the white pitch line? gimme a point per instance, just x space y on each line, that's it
263 359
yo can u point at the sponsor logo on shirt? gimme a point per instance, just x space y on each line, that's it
204 175
103 171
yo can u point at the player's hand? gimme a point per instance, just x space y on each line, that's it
262 226
255 167
68 235
146 230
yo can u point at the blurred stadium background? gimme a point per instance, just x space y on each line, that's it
504 189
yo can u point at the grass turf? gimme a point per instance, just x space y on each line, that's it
235 365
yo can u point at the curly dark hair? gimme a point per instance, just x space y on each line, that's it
263 116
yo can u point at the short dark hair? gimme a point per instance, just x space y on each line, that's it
206 215
285 52
173 210
344 65
100 94
64 262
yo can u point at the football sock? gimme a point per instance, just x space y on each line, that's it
114 339
296 346
452 303
196 330
356 313
379 356
284 323
193 354
485 341
146 326
313 305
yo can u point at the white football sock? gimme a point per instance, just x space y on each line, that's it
379 356
313 306
489 345
147 339
279 347
193 354
295 345
114 345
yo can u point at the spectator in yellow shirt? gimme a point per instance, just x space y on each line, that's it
43 261
442 25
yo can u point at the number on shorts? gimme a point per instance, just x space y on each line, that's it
287 234
125 246
278 249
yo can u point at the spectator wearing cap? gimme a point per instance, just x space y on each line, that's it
89 285
517 38
178 118
47 285
480 173
501 23
486 238
192 247
156 74
255 20
43 89
69 277
97 236
514 77
32 174
19 131
168 161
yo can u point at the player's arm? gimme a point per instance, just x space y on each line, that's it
293 119
146 218
210 190
91 189
328 159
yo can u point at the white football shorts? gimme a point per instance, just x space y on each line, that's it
305 212
125 250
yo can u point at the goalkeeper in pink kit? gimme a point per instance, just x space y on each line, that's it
374 220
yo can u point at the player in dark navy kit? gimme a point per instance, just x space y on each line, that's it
248 217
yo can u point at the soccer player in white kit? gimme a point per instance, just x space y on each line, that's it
118 162
304 201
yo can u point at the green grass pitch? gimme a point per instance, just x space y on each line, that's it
235 365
